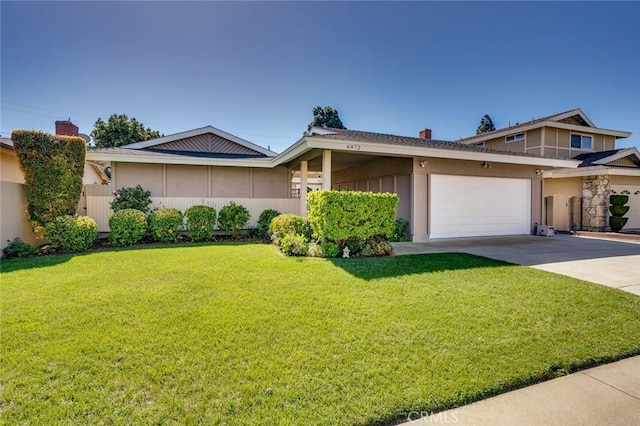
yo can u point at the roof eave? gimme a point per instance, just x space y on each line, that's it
102 157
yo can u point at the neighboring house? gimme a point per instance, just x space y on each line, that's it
14 221
575 198
446 189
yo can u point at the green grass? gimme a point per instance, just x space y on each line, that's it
238 334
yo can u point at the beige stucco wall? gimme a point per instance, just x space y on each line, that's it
149 176
624 180
567 186
186 181
14 220
172 180
9 166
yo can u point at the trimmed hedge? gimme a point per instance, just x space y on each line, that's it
127 227
233 218
343 215
164 225
53 167
71 233
618 210
201 222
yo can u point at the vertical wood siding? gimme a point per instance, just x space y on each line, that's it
98 207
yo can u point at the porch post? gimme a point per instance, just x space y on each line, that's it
304 167
326 169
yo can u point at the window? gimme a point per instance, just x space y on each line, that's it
516 137
479 145
581 141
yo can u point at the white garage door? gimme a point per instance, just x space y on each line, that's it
463 206
634 203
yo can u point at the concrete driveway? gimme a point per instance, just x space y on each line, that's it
613 263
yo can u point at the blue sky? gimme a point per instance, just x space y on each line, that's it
256 70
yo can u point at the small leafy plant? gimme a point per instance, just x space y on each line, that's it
164 225
618 210
233 218
294 245
127 227
18 248
136 198
399 232
200 222
288 224
264 221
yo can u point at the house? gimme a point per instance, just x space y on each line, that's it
576 198
446 189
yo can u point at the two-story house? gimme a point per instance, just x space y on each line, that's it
575 198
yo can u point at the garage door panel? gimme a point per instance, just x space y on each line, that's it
464 206
633 192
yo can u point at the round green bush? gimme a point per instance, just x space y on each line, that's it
164 225
294 245
71 233
288 224
264 221
201 222
330 249
127 227
233 218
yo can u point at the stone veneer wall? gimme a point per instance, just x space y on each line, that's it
595 203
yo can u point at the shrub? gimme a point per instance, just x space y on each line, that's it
136 198
288 224
330 249
53 167
127 227
71 233
233 218
377 246
164 225
315 250
618 209
201 222
399 234
18 248
294 245
355 245
340 215
264 221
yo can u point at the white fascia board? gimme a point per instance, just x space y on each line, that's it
554 124
590 171
415 151
626 152
198 132
181 159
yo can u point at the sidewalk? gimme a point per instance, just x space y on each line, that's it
605 395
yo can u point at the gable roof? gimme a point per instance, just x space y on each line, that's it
574 119
206 139
627 157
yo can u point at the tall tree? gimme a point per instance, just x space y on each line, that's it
121 130
486 125
326 117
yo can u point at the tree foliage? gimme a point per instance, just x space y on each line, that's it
53 167
120 130
486 125
326 117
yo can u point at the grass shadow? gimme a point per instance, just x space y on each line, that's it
374 268
10 265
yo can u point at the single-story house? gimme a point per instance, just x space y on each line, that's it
576 198
446 189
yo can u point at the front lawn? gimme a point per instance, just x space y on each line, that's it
239 334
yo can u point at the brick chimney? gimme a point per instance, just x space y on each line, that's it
66 128
425 134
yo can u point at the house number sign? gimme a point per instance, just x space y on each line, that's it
353 147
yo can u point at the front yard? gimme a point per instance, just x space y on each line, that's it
239 334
